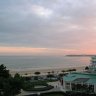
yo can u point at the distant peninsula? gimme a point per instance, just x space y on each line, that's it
82 55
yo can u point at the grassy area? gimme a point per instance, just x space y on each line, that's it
31 86
67 94
53 94
50 80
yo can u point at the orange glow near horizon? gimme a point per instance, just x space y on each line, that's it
90 51
20 50
42 51
34 51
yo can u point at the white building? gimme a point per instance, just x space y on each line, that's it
81 81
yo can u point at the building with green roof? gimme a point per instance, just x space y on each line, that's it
81 81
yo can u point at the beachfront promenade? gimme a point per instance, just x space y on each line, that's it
57 87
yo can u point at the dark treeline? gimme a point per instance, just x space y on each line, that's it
9 86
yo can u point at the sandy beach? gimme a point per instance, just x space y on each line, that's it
44 71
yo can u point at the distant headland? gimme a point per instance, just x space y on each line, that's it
80 55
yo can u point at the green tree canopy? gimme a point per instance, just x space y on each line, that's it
37 73
4 72
9 86
86 68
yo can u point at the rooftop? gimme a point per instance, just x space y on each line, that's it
77 77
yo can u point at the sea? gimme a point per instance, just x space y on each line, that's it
43 62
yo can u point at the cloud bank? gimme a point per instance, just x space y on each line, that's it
49 24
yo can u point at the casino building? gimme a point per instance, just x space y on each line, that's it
81 81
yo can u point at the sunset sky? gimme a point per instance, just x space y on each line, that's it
47 27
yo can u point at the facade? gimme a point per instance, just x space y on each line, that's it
92 67
82 81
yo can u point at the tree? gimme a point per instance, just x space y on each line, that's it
37 74
18 81
73 69
63 71
4 72
86 68
50 76
70 70
61 75
53 72
48 73
9 86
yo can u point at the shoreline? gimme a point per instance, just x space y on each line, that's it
43 71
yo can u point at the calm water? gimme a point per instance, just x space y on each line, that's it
28 62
